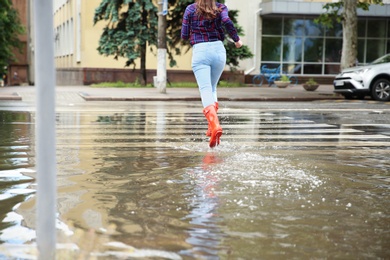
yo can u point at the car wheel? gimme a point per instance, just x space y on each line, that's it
381 90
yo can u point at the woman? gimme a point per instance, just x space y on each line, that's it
203 24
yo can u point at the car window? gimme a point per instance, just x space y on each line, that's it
383 59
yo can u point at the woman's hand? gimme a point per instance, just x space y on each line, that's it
238 44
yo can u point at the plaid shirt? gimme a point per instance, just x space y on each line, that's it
198 29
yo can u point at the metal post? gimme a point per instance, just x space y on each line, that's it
162 46
45 128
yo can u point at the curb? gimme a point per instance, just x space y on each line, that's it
13 96
187 96
88 97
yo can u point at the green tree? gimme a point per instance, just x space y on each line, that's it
345 12
132 25
10 29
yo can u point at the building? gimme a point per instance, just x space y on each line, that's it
77 58
279 32
284 33
18 70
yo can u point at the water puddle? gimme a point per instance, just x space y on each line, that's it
145 184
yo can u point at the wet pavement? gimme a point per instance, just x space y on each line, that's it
298 180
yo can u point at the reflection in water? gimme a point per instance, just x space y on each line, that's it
16 131
16 154
204 233
144 184
14 189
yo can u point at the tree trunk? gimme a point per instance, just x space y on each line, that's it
143 65
350 39
143 48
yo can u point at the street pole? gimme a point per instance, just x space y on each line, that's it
162 46
45 129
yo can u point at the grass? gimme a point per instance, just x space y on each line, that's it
120 84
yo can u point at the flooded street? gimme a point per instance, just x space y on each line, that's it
138 180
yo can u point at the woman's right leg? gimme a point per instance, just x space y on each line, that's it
217 66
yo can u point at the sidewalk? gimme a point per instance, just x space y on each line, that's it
250 93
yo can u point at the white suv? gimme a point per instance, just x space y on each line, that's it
372 79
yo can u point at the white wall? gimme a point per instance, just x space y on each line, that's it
249 19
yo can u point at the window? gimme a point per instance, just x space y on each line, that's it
294 27
361 51
362 28
303 47
336 31
333 49
271 48
313 49
313 29
375 49
292 68
377 28
388 33
388 46
312 69
272 26
292 49
299 45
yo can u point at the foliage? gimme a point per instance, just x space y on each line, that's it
284 78
132 25
174 22
120 84
311 82
333 11
10 28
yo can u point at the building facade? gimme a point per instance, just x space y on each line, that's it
278 32
285 34
77 59
18 70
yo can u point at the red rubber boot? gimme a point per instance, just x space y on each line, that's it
208 133
216 130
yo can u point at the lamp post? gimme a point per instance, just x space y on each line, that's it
45 129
